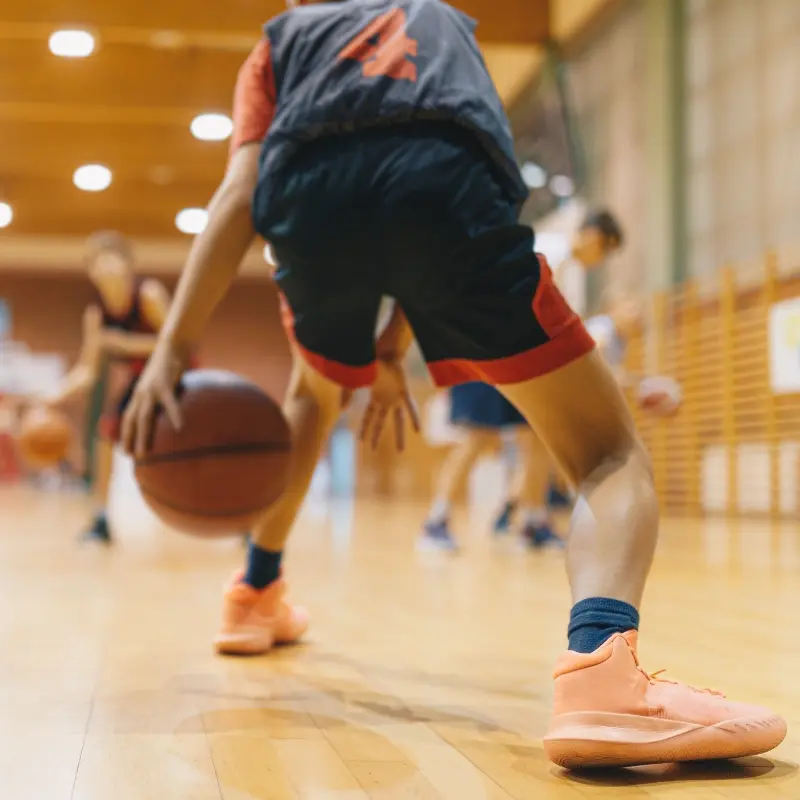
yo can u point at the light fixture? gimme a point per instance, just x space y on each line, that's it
533 175
72 44
269 256
191 220
6 215
92 177
212 127
562 186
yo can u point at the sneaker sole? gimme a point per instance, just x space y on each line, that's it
243 645
590 739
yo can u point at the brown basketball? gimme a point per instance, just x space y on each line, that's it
45 437
227 463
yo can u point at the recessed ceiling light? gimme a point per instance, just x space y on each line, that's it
533 175
72 44
269 256
191 220
212 127
92 177
562 186
6 215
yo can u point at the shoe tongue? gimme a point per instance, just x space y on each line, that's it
632 638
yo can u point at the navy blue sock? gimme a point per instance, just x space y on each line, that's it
596 619
263 566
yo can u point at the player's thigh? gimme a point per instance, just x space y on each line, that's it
307 382
331 331
580 414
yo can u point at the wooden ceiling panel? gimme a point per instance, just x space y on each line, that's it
160 15
160 154
119 75
500 20
142 208
130 104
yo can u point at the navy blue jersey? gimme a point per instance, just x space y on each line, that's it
342 67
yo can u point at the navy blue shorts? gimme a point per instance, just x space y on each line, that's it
477 405
414 212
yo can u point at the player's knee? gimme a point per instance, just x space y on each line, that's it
629 464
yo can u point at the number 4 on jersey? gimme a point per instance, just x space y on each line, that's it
383 48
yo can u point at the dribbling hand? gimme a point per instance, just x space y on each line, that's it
155 390
389 396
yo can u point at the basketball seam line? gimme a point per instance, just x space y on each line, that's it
148 494
214 450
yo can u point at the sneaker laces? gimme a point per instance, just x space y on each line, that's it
653 678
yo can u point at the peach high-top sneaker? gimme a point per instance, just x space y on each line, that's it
254 620
610 712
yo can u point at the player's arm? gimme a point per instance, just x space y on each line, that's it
85 372
217 253
396 338
154 300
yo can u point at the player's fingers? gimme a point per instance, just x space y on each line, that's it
172 408
413 411
128 430
144 421
365 422
377 428
399 429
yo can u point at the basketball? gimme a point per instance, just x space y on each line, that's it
44 437
226 465
660 396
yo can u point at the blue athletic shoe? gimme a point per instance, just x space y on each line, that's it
503 522
557 499
437 536
542 537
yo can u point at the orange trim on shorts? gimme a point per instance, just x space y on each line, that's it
572 343
110 427
345 375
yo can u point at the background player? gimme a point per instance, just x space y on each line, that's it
482 414
121 325
387 146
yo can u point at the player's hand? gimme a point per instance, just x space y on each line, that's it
389 396
154 391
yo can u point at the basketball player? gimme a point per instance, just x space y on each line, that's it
482 413
122 325
372 150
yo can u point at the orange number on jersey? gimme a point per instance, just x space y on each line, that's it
389 53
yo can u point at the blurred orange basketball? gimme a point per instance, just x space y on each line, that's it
44 438
660 396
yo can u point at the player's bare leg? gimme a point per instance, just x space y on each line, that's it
99 530
256 615
453 475
607 709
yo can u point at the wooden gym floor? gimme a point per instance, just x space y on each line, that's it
422 677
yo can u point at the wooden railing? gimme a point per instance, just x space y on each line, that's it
731 448
734 446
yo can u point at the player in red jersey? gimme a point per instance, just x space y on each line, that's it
121 324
